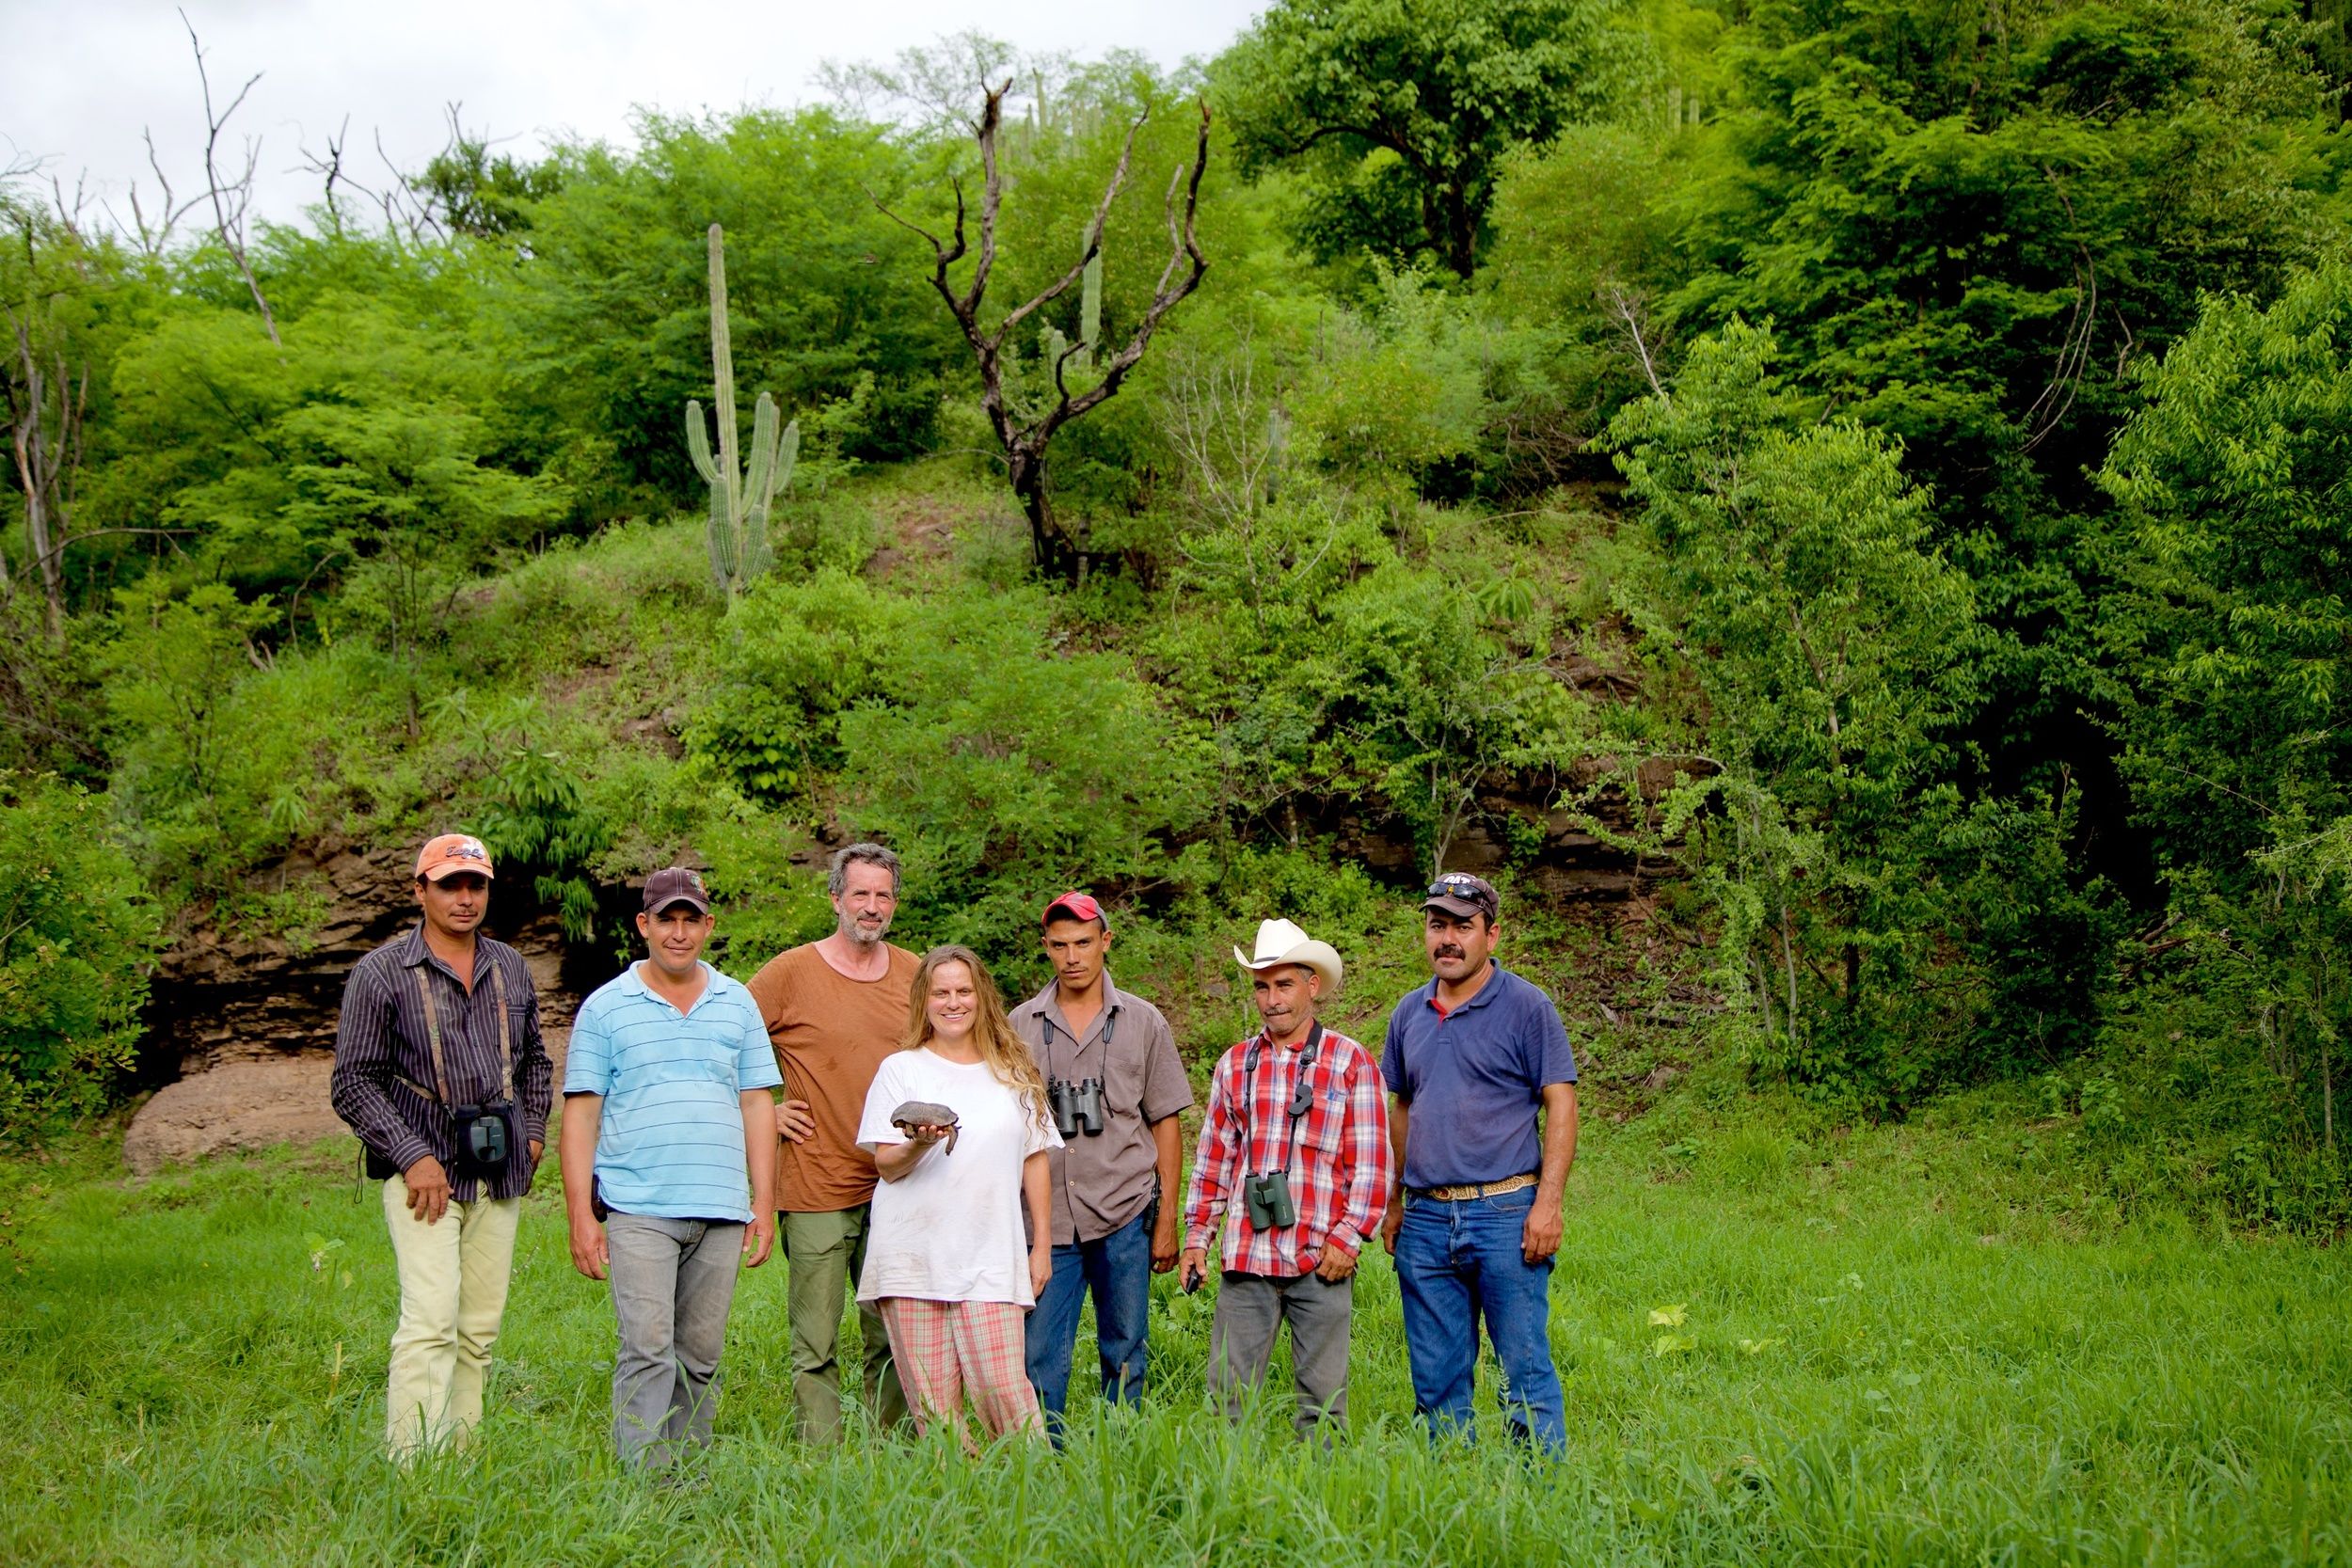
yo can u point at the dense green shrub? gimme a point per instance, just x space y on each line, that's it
1005 768
795 655
77 931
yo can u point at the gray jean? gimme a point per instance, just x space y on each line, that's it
673 1281
1250 1311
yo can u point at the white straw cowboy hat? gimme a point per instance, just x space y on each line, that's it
1281 942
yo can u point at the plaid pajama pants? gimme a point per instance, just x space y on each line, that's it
944 1349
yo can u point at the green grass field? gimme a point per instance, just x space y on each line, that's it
1896 1346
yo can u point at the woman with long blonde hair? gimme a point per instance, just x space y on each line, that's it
946 1263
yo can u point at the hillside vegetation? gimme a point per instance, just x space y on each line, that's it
1874 470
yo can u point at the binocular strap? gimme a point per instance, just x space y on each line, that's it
1302 1093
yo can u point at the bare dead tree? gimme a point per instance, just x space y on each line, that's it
1227 431
70 209
1630 315
234 200
46 401
1230 436
1052 550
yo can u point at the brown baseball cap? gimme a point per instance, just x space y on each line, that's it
1461 895
676 885
452 853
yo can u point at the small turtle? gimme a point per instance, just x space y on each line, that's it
925 1113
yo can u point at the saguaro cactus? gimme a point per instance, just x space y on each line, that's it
1089 312
739 494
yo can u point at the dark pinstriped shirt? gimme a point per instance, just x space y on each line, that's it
385 1086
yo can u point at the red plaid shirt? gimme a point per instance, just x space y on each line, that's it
1337 1155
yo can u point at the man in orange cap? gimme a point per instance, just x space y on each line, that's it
439 1069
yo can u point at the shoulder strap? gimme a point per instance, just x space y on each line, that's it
506 1043
1302 1090
432 1030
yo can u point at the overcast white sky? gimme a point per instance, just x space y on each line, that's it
78 78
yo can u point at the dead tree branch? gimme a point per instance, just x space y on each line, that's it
153 236
329 168
231 203
1627 309
1024 440
45 404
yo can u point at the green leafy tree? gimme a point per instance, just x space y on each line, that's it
608 328
173 672
1786 584
2233 640
473 192
1966 223
77 932
1398 114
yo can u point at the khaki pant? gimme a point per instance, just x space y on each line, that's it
823 1254
452 1292
1250 1311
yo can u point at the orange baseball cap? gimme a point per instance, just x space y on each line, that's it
450 854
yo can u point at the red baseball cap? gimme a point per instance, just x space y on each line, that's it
450 854
1076 906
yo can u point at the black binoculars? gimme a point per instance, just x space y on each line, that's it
1267 1196
1077 1107
484 1136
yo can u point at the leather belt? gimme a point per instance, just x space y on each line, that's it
1476 1189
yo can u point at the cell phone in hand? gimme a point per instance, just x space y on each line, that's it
1192 1279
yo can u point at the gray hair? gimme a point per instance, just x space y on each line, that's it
837 879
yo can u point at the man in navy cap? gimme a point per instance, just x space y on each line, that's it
669 1158
1115 1085
1483 1125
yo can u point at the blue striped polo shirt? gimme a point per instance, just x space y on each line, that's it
671 1146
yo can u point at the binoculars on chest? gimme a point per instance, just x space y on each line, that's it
1077 1107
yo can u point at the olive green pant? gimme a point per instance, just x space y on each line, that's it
823 1254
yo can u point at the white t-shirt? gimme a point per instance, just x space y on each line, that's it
951 1228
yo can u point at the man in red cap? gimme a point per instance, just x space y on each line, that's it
439 1069
1115 1085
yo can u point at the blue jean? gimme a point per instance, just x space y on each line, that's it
1456 1263
1117 1269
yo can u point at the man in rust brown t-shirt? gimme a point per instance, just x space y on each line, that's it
835 1008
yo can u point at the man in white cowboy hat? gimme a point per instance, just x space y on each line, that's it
1293 1158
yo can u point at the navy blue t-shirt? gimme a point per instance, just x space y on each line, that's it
1473 1080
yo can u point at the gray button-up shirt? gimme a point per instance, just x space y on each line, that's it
1101 1182
385 1086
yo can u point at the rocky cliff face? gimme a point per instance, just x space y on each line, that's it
221 996
239 1022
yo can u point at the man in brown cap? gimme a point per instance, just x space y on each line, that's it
439 1069
669 1154
1484 1130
